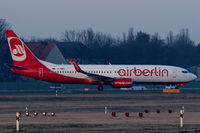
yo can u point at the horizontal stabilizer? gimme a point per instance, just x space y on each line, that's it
16 67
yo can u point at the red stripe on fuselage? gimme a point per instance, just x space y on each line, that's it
48 75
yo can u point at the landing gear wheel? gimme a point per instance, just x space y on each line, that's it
100 88
176 87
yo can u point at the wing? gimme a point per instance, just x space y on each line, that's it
91 76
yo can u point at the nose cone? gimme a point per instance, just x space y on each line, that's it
193 77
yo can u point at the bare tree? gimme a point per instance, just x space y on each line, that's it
131 36
88 37
183 38
69 36
170 38
3 27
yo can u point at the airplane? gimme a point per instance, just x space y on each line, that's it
27 64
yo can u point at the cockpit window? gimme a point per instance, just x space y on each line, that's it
184 71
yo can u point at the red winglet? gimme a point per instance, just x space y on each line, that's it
76 66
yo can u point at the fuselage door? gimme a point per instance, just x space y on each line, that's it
174 73
40 72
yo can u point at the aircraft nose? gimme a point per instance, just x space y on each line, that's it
193 76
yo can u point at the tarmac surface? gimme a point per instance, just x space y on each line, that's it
85 112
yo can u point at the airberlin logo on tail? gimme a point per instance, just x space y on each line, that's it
17 49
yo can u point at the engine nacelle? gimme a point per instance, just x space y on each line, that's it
122 82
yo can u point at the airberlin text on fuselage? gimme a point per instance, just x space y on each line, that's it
157 71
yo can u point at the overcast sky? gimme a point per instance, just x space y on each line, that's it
50 18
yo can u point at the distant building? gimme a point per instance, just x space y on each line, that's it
61 52
48 52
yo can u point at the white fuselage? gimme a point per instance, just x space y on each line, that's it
138 73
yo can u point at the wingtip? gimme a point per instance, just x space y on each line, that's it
72 61
76 66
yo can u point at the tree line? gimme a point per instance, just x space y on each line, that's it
133 47
136 48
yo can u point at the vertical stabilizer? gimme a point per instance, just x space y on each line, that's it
20 53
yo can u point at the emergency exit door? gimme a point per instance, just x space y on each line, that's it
40 72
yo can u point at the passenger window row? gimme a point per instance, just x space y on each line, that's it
86 71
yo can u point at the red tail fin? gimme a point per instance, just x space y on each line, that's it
20 53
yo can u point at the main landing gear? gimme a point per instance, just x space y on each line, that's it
100 88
